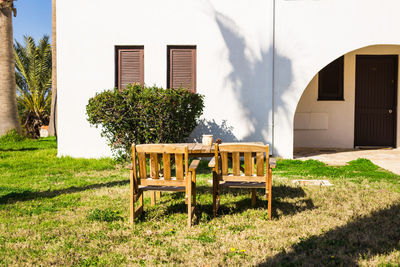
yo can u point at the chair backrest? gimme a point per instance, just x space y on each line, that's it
160 159
249 151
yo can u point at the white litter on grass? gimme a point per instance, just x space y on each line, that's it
44 131
312 182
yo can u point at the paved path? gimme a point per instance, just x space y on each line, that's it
388 159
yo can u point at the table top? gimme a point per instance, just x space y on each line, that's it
198 148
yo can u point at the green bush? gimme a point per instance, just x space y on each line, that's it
140 115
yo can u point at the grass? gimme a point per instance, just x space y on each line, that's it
74 212
356 171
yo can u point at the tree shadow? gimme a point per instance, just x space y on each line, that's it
280 206
222 131
250 78
375 234
31 195
260 79
285 191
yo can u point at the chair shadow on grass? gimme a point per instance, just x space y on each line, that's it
279 205
31 195
363 238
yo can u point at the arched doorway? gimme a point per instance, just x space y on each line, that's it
360 109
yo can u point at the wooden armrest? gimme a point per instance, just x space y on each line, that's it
193 166
211 164
272 163
129 167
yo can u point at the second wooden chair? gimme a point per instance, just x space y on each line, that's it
247 177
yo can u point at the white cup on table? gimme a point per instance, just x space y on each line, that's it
207 139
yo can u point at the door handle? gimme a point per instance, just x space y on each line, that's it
390 111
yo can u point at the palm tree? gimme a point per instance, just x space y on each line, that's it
33 76
8 105
53 113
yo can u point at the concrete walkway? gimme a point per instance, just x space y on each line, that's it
386 158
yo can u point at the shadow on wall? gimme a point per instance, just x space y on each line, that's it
365 237
251 81
248 79
222 131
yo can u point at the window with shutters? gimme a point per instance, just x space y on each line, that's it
330 81
129 65
181 67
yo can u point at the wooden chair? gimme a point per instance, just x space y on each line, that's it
160 178
247 177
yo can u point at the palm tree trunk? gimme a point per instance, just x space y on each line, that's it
53 113
8 96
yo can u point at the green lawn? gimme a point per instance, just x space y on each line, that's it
74 212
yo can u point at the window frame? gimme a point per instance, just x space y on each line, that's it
339 94
121 48
194 64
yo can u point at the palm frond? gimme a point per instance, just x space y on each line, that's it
33 78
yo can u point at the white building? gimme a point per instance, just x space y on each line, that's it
259 63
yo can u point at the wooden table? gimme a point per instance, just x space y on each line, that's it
200 150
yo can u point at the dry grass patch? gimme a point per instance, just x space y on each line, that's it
345 224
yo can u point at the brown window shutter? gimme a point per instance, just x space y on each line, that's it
330 81
182 67
130 66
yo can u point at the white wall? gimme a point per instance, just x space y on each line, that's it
311 34
234 57
339 119
234 61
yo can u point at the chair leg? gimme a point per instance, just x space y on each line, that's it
131 196
132 210
194 187
153 197
269 194
140 203
194 193
215 194
186 195
253 197
218 193
189 203
135 212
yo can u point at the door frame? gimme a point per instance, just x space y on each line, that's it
395 121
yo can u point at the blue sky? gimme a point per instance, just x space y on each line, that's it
33 18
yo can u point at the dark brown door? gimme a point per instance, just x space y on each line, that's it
375 104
